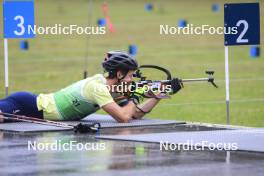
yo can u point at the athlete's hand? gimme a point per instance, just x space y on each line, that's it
137 96
176 85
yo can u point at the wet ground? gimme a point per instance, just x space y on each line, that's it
105 157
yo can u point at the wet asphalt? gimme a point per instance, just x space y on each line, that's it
90 156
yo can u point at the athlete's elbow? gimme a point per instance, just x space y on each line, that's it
123 121
121 117
124 118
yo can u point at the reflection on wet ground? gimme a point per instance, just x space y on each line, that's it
119 157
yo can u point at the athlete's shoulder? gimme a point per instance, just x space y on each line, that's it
95 89
99 78
95 80
96 83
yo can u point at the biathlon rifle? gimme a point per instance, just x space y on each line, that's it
144 81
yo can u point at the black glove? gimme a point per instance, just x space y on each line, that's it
138 95
87 128
176 85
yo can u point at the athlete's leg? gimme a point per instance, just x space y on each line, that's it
7 106
28 104
21 103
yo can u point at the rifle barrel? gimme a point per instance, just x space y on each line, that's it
195 80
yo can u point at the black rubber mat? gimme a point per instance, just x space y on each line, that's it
244 139
106 121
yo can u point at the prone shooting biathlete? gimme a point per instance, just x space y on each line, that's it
86 96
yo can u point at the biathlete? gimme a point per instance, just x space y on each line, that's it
87 96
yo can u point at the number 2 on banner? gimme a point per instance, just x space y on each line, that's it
20 25
240 37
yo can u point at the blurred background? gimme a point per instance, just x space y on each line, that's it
52 62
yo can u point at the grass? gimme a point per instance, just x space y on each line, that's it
53 62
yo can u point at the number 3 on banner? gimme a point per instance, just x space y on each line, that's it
20 25
240 37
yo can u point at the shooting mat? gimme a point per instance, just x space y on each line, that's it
244 139
106 121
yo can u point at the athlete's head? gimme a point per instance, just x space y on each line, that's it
119 65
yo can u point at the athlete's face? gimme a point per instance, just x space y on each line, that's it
128 78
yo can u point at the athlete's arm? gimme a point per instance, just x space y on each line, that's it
120 114
146 107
